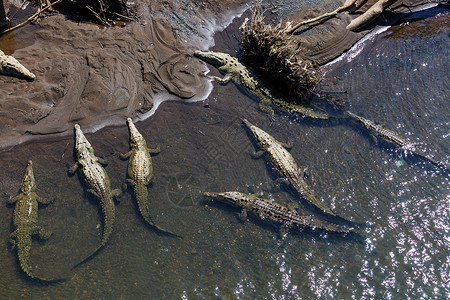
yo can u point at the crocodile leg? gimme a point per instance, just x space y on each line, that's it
287 145
265 105
279 181
42 233
12 239
242 216
73 169
13 200
115 194
224 80
285 228
43 200
124 156
155 150
257 155
94 193
102 161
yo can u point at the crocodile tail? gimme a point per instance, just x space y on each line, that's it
23 252
89 257
142 201
109 215
308 194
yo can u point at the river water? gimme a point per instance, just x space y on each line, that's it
399 79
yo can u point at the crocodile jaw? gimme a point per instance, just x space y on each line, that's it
11 66
136 138
28 179
263 138
82 145
215 59
229 197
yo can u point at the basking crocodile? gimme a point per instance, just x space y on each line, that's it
393 138
11 66
97 181
283 161
247 78
25 222
140 171
273 212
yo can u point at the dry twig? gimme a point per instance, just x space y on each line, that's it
346 5
32 17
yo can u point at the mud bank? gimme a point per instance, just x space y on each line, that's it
99 76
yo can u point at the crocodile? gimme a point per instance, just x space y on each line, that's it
140 171
285 164
236 71
11 66
97 181
25 222
273 212
393 138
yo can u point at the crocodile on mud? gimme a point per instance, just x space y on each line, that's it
97 181
244 76
393 138
140 172
285 164
273 212
11 66
25 222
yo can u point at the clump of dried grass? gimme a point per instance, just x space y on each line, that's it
270 50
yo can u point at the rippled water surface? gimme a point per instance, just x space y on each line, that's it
399 79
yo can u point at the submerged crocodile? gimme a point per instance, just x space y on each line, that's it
273 212
283 161
97 181
25 222
393 138
140 171
244 76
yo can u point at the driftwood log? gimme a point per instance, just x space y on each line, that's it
371 14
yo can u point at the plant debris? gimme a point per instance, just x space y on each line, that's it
268 49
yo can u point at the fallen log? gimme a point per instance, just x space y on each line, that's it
371 14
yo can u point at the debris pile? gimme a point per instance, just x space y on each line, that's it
269 50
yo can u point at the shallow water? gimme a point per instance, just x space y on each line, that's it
399 79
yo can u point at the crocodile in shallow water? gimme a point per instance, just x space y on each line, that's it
244 76
140 171
97 181
25 222
273 212
393 138
285 164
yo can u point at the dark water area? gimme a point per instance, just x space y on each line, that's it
398 79
8 41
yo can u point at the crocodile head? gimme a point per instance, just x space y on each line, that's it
82 146
216 59
136 138
263 138
229 197
28 179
